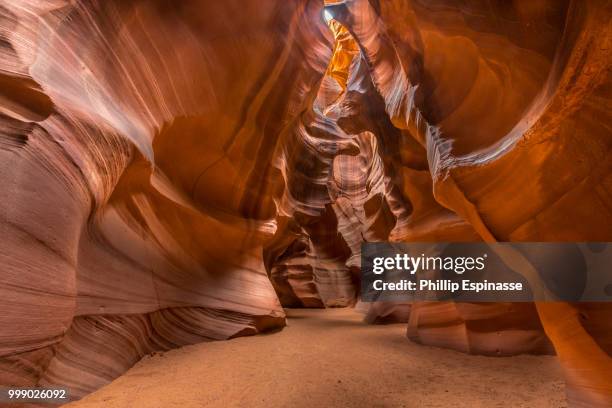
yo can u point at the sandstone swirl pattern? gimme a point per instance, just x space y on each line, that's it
138 190
176 172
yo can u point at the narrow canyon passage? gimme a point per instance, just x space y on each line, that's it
187 187
331 358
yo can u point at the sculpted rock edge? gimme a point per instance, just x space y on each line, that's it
178 173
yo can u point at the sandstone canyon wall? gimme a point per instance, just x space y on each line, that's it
519 148
177 172
138 190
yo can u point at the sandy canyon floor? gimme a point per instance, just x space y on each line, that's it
331 358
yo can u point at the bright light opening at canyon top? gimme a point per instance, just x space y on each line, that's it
327 16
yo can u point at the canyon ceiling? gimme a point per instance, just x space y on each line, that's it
177 172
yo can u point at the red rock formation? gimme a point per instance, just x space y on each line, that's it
171 171
527 106
138 192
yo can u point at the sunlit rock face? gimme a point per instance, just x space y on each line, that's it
138 142
509 103
176 173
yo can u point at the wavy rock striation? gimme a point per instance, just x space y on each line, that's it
138 192
176 173
528 119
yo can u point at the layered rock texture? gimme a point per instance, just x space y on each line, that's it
176 172
138 188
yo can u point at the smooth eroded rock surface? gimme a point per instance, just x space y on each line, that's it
177 172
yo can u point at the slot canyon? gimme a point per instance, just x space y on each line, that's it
176 173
